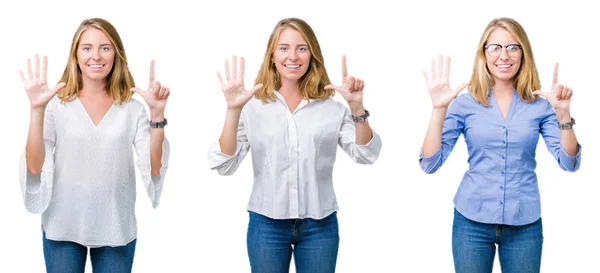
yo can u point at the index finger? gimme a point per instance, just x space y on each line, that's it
344 67
151 77
555 74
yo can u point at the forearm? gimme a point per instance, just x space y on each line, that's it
228 139
568 140
433 137
35 151
363 129
157 136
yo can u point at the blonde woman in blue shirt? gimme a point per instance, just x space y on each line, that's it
498 202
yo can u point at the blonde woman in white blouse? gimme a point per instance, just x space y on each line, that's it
293 127
78 167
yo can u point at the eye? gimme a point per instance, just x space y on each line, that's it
283 48
303 49
493 48
512 48
86 48
105 48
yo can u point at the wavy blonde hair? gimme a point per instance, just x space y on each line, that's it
525 81
312 84
119 81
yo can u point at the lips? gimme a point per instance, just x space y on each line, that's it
292 66
503 67
96 66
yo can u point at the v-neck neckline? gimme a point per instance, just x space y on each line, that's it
511 107
88 114
302 103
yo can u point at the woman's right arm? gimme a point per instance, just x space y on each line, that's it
226 155
39 95
36 169
441 96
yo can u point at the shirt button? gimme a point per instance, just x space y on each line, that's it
503 127
501 187
502 172
501 203
503 142
502 156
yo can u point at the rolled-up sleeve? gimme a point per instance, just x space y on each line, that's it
228 164
362 154
453 126
551 135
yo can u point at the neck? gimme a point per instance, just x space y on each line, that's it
289 88
93 88
503 87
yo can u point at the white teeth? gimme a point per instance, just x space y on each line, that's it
96 65
503 65
292 66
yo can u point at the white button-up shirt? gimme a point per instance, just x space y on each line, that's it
293 155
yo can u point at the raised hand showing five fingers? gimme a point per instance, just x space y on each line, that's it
439 84
36 85
233 87
560 95
156 95
351 88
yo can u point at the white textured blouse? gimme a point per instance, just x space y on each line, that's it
293 155
87 189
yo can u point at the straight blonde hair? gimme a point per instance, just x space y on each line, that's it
525 81
312 84
119 81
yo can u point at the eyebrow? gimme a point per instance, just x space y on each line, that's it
289 44
92 45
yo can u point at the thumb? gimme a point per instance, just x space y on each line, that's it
59 86
539 93
331 87
460 88
136 90
256 88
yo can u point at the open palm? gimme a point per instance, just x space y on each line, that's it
233 87
439 84
36 85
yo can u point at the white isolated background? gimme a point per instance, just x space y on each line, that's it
393 217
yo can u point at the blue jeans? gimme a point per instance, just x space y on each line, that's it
474 246
271 243
70 257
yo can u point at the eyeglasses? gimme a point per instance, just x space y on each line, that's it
494 50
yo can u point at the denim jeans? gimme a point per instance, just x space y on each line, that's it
314 244
70 257
474 246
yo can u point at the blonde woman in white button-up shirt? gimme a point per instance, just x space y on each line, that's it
78 166
292 126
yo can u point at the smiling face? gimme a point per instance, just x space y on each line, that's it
95 55
291 56
505 62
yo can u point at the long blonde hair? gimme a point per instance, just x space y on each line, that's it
312 84
119 81
525 81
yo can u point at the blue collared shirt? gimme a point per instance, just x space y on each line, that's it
500 186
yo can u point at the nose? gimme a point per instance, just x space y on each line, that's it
504 54
293 55
96 55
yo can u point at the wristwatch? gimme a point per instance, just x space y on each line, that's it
160 124
567 126
362 118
